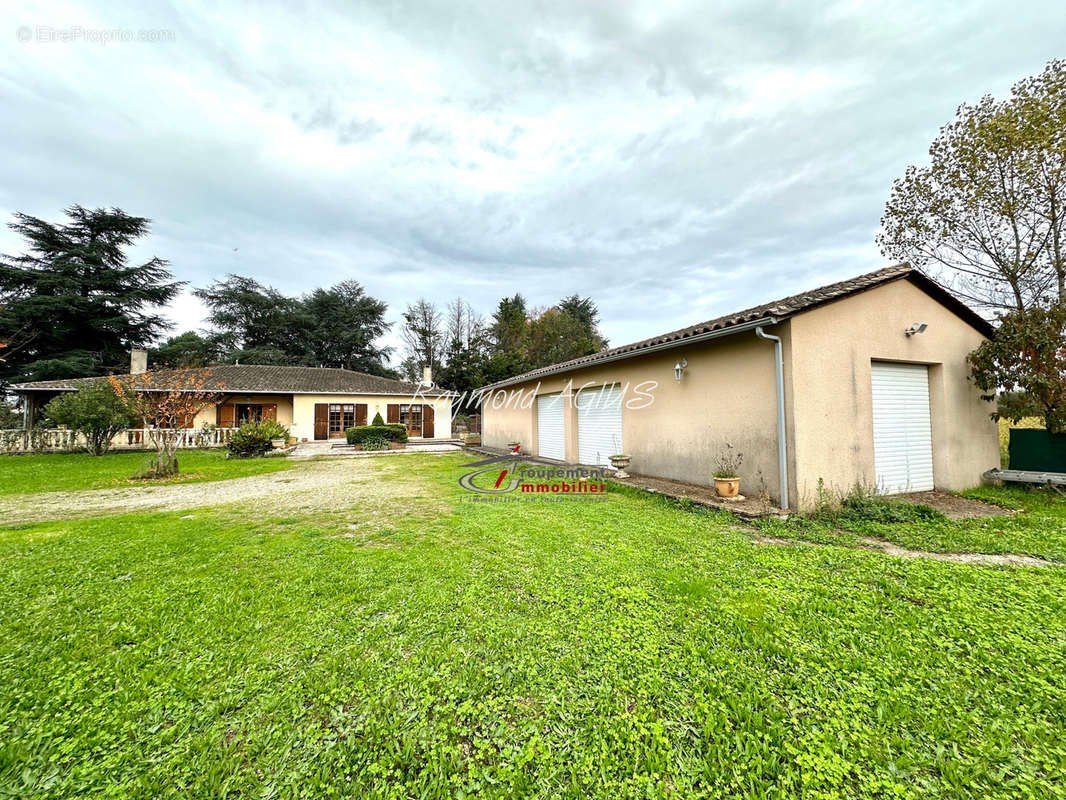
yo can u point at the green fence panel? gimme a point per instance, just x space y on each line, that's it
1037 450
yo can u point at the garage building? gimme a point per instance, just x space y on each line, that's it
860 383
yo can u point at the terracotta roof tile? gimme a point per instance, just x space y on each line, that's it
256 379
777 310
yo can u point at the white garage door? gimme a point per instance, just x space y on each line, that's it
551 431
903 441
599 425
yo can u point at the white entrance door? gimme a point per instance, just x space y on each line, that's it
903 440
551 430
599 425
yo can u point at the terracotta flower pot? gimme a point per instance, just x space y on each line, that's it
727 487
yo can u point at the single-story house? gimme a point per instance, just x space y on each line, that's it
863 383
314 403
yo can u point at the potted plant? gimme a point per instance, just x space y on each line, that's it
620 462
726 481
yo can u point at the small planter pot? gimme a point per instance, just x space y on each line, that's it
620 463
278 444
727 487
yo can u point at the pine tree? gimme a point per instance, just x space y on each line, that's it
72 306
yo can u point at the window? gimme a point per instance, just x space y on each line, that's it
248 412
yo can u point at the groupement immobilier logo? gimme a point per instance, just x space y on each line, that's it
516 478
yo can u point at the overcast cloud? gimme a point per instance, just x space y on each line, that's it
672 160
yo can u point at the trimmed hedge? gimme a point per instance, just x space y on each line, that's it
391 433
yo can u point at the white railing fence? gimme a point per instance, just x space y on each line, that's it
59 440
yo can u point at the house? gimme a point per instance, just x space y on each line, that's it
314 403
860 383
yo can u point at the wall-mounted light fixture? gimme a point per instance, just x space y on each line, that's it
679 368
916 328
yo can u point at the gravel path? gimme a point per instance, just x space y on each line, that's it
315 486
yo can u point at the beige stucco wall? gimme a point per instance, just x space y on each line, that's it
303 425
830 398
726 395
209 416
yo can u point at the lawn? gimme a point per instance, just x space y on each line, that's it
414 645
1039 530
68 471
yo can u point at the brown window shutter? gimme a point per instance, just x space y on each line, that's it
321 420
393 412
226 414
270 411
189 421
360 413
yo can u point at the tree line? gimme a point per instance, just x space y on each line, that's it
466 351
73 306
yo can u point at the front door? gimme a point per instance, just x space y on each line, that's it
411 416
427 421
341 418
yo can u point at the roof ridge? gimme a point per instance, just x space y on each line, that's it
779 309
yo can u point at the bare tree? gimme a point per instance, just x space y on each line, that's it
465 325
168 411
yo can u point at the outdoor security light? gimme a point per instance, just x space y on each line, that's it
917 327
679 368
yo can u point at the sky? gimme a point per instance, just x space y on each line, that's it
672 160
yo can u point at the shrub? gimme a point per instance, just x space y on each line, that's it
96 412
859 506
727 465
254 438
390 433
378 421
375 443
10 419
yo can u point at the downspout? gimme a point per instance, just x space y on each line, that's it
782 443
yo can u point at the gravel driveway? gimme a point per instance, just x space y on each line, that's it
315 486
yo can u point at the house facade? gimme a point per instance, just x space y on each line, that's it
315 404
863 383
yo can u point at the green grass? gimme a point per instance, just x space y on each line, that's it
1039 531
69 471
625 649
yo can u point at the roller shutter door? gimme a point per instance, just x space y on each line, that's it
599 425
551 428
903 441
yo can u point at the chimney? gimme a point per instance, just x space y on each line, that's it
138 361
427 376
